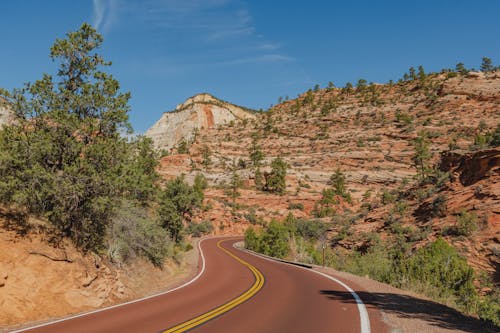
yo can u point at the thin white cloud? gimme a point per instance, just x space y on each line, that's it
215 33
104 14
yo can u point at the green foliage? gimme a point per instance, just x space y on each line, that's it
387 197
273 241
337 180
275 181
256 154
421 74
460 68
487 65
495 137
324 206
65 158
182 147
466 223
439 266
347 89
438 206
296 205
234 183
307 229
422 154
200 184
489 307
488 139
251 240
361 85
258 179
177 203
133 232
206 154
199 229
404 118
140 171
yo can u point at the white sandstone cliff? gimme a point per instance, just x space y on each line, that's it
196 113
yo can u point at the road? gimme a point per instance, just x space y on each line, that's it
234 291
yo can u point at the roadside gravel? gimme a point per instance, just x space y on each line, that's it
404 311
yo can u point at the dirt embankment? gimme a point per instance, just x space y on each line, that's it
40 281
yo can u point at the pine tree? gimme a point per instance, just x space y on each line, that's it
234 183
256 154
412 73
275 181
422 154
486 65
460 68
421 73
177 203
206 153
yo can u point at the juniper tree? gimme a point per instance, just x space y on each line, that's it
66 158
422 155
275 181
178 200
256 154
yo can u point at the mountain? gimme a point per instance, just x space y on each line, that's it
197 113
368 132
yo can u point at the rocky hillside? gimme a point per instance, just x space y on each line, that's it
368 132
199 112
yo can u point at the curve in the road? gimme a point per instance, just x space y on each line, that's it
363 313
254 289
229 295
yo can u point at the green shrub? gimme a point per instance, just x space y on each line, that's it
199 229
466 223
252 241
275 181
177 203
274 241
296 205
443 272
134 233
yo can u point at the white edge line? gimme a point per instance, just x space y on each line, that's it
363 313
126 303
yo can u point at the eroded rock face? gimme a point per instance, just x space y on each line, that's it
471 167
199 112
6 115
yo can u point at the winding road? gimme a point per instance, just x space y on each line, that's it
234 291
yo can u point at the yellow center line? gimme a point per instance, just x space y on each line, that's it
259 282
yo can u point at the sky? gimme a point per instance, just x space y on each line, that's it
248 52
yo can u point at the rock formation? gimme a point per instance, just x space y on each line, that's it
6 115
199 112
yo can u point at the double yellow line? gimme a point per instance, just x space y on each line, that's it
259 282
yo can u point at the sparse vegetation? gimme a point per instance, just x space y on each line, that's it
275 181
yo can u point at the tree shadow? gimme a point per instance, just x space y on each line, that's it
405 306
14 220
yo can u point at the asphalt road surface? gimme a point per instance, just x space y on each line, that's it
234 291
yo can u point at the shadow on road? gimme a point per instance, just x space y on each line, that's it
410 307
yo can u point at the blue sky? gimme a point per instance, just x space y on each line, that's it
248 52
